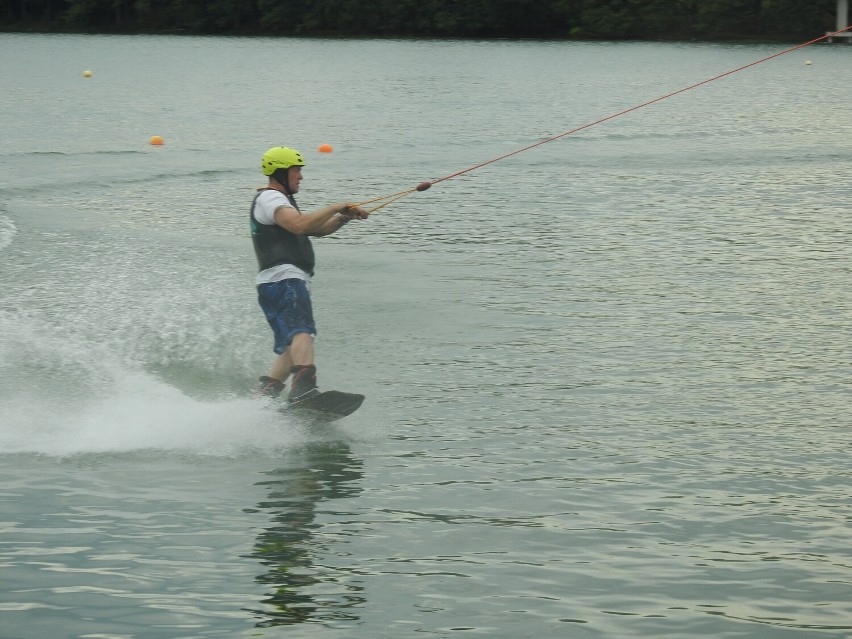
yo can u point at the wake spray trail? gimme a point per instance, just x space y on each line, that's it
393 197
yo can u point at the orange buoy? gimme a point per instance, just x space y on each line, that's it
325 148
156 140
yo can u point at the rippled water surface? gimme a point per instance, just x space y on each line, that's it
608 378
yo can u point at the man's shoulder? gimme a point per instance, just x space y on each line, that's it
269 201
271 196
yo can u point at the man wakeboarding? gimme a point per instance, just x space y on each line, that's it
281 236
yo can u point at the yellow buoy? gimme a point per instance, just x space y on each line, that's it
87 74
156 140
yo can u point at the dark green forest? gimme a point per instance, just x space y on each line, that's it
564 19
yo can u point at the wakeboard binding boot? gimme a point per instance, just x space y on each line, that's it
304 384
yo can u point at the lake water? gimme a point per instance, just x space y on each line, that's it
609 378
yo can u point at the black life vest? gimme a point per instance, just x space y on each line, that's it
274 245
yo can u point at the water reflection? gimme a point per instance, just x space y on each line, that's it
299 546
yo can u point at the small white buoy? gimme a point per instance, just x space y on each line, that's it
87 74
808 62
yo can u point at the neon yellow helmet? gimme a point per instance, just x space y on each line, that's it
280 157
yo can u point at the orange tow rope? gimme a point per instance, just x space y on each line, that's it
393 197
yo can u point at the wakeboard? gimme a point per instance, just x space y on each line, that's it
328 406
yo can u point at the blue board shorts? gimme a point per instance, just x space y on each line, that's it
287 306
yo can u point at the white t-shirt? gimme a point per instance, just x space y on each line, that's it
264 213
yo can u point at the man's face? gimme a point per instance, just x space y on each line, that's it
294 176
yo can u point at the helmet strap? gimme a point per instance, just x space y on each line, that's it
282 176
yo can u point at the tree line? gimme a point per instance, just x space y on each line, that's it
569 19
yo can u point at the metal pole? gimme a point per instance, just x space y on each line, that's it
842 14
